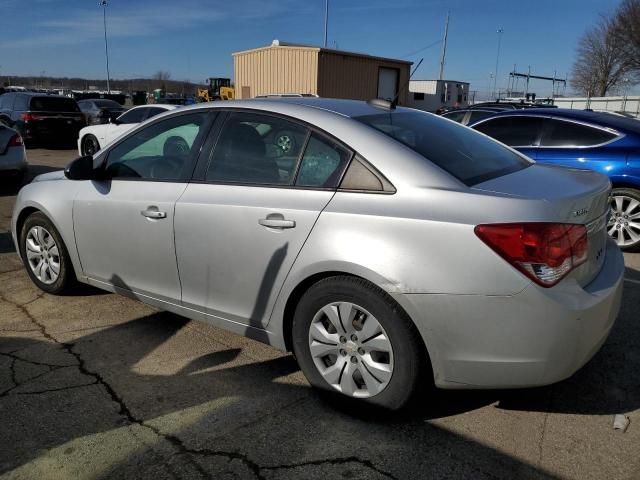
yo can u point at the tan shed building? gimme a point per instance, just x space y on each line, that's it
288 68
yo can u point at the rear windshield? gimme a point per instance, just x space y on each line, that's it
53 104
107 104
467 155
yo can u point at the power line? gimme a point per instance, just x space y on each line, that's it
431 45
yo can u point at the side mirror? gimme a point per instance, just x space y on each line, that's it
81 169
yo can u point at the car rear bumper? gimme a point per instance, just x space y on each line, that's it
536 337
13 160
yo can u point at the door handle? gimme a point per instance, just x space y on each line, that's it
153 212
276 220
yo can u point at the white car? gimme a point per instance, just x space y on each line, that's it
95 137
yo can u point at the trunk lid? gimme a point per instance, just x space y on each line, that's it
571 196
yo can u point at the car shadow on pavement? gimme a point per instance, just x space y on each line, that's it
203 402
6 243
96 386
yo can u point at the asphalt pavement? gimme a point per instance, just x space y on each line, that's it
100 386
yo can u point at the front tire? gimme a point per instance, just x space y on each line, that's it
45 256
351 338
90 145
624 223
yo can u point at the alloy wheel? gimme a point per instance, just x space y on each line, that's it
42 255
624 221
90 146
285 143
351 349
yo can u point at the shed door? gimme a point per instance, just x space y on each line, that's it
388 83
246 92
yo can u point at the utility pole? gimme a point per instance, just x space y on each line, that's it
500 31
489 86
326 21
103 4
444 47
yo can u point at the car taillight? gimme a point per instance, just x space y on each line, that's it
545 252
26 116
16 141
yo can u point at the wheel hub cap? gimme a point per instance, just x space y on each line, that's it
42 255
624 222
351 350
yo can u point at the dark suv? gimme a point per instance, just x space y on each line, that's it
42 118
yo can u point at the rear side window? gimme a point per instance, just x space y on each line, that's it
515 131
569 134
53 104
22 103
6 101
469 157
322 163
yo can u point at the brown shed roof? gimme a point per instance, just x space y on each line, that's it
321 49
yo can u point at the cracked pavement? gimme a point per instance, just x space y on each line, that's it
100 386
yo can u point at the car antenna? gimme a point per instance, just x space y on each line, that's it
394 102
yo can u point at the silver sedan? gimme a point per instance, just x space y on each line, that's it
387 248
13 156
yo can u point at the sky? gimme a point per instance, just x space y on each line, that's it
194 39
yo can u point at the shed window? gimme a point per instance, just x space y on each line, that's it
418 95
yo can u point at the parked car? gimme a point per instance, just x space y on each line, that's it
470 115
388 248
607 143
13 157
100 110
94 137
41 118
287 95
510 105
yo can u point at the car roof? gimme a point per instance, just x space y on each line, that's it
602 119
40 94
346 108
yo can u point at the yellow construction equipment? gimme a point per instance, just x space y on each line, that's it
218 89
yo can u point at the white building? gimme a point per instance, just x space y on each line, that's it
430 95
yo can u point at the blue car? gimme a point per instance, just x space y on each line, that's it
600 141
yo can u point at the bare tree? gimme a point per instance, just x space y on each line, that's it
162 75
627 31
601 65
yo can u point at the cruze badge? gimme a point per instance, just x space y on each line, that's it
581 212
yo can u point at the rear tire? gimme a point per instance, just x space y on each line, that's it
90 145
45 255
365 359
624 224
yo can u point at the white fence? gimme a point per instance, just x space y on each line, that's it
629 104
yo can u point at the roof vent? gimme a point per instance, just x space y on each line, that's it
275 43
